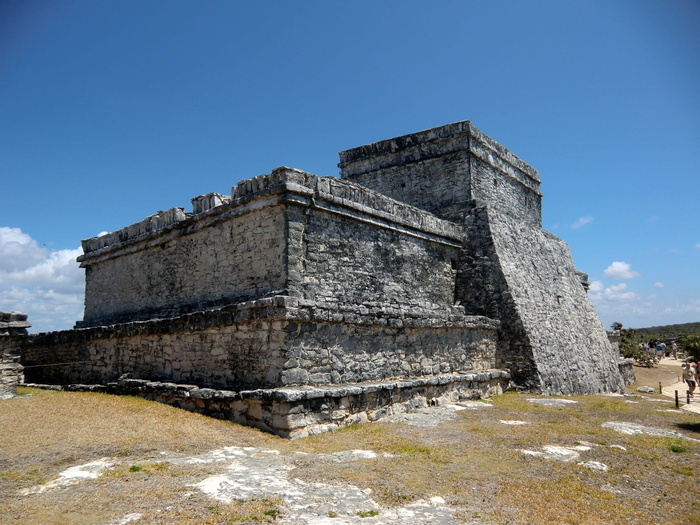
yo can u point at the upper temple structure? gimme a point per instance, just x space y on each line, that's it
423 273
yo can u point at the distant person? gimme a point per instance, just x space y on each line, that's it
689 375
674 349
660 350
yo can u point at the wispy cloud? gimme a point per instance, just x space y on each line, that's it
620 303
614 293
618 292
596 286
582 222
659 284
46 284
616 302
620 270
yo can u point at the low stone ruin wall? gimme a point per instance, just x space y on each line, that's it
13 324
13 332
273 342
627 371
11 375
296 412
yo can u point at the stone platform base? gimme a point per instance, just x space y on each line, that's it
295 412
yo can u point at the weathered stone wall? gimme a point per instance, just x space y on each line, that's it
443 169
550 337
287 233
271 342
483 289
509 269
13 333
203 348
626 365
11 375
627 371
505 194
354 246
351 262
13 324
187 268
614 338
379 342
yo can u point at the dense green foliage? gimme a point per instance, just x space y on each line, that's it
630 347
690 344
687 336
668 331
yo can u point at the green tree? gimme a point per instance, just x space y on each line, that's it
690 344
630 347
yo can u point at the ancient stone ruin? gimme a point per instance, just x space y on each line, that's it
299 304
13 330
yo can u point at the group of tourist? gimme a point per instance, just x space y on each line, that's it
660 348
691 374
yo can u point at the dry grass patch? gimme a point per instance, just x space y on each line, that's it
662 373
563 500
50 431
128 424
475 462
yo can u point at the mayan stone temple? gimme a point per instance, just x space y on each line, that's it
299 304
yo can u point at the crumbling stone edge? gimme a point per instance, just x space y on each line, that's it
296 412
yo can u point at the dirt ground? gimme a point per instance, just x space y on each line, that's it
667 373
509 460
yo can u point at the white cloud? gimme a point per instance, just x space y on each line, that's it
697 245
596 286
620 270
618 292
582 222
17 250
48 285
618 303
614 293
659 285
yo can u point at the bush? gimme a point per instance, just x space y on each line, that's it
630 347
690 344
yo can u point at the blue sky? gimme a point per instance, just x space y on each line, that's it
113 110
